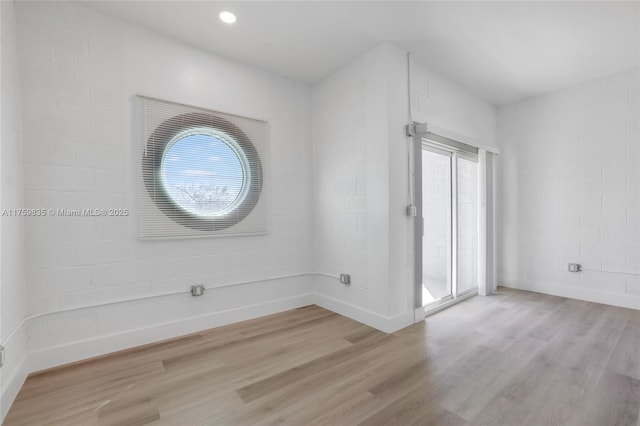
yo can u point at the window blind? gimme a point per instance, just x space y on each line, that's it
201 173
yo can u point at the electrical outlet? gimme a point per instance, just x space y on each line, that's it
1 356
575 267
345 279
197 290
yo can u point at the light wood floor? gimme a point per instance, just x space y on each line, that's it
511 358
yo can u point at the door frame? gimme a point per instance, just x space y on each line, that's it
419 133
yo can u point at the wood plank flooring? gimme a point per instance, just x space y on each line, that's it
513 358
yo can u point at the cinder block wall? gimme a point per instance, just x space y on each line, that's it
570 191
79 73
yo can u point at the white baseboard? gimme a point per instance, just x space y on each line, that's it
12 385
75 351
579 293
69 352
382 323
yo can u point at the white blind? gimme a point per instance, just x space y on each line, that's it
201 172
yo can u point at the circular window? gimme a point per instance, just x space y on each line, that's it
202 171
205 172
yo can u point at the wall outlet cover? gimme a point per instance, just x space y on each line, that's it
575 267
197 290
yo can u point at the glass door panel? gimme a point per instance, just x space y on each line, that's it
436 213
467 229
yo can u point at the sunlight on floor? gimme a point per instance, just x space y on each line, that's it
433 290
426 296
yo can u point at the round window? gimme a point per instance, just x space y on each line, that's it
202 171
205 172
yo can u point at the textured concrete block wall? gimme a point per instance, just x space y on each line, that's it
79 73
570 191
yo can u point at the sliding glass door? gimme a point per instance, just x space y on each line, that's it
449 208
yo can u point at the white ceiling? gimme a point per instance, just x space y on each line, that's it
501 51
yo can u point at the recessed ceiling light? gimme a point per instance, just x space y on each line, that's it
227 17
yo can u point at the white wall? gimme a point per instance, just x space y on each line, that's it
361 178
79 72
12 275
570 189
445 105
351 173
